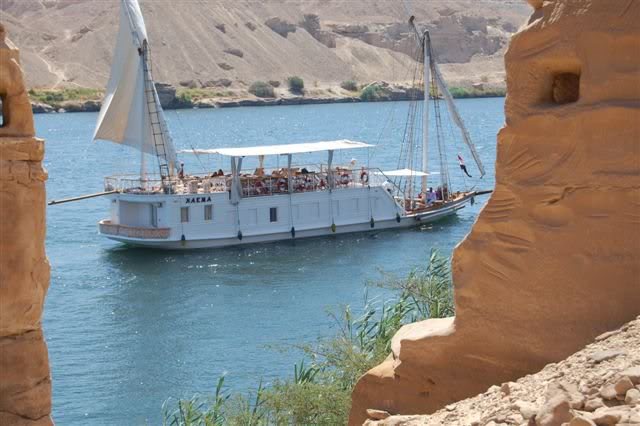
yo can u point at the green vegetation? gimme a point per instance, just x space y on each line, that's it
296 85
56 97
372 92
262 89
319 393
349 85
461 92
186 95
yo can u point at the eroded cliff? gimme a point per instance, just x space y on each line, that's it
554 258
25 384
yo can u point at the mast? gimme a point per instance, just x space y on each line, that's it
426 42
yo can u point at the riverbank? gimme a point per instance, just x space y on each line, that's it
218 96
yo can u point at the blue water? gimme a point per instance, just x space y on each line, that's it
127 328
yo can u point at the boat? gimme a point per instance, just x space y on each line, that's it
169 209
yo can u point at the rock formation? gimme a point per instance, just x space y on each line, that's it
554 258
599 385
25 385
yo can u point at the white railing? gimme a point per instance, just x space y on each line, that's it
278 182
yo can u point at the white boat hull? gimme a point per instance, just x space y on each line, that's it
389 216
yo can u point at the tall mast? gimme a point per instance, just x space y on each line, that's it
425 109
424 42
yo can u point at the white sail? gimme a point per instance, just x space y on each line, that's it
127 110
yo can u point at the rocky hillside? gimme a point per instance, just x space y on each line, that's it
599 385
230 44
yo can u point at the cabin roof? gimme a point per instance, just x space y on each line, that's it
285 149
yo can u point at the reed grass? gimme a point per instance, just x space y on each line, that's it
319 393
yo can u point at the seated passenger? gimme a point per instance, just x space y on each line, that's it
431 196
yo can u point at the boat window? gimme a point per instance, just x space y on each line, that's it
154 215
208 212
184 214
273 214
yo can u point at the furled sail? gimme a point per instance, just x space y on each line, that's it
131 113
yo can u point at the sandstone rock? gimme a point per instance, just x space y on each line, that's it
608 392
608 416
576 399
632 397
377 414
623 385
633 373
280 26
17 118
553 160
39 108
25 385
593 404
166 94
605 355
527 409
581 421
505 389
555 411
536 4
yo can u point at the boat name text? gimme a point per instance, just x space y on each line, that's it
194 200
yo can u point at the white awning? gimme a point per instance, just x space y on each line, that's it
407 172
294 148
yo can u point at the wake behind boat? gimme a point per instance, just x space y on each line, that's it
173 210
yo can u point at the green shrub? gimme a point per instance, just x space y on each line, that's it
349 85
55 97
296 84
262 89
372 92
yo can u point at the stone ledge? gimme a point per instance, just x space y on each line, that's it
21 149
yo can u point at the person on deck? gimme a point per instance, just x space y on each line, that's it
181 171
431 196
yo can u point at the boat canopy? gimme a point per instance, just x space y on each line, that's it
407 173
286 149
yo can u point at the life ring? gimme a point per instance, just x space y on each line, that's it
344 179
364 177
282 185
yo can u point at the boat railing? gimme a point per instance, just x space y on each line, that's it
253 185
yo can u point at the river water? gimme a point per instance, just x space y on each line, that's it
128 328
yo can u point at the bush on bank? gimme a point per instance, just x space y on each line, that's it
319 392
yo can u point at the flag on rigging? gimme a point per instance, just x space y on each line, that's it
462 166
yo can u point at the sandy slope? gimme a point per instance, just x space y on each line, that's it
70 42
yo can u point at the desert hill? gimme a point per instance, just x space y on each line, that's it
69 43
